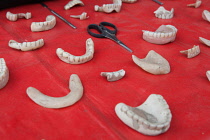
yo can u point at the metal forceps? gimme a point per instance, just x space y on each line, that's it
106 33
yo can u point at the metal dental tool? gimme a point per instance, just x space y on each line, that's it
157 1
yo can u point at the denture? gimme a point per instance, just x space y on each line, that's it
162 13
129 1
204 41
206 15
43 26
4 73
72 59
13 17
192 52
164 34
81 17
73 3
153 63
151 118
208 74
114 76
108 8
76 92
26 46
196 4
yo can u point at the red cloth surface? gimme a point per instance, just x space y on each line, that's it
186 88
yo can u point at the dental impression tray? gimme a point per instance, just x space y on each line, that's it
152 118
164 34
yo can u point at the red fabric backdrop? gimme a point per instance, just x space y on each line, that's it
186 88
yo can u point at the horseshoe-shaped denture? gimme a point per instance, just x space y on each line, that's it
196 4
129 1
164 34
76 92
162 13
43 26
26 46
13 17
152 118
81 17
206 15
4 73
72 59
192 52
153 63
114 76
72 3
204 41
108 8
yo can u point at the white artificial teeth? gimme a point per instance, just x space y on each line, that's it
72 59
129 1
73 3
153 63
192 52
108 8
76 92
43 26
204 41
81 17
114 76
4 73
13 17
196 4
162 13
152 118
206 15
26 46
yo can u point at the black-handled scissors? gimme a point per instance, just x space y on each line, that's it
106 33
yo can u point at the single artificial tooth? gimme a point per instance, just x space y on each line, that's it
205 41
75 95
108 8
161 12
26 46
208 74
43 26
153 63
72 59
129 1
168 32
13 17
72 3
151 120
192 52
196 4
81 17
206 15
4 73
114 76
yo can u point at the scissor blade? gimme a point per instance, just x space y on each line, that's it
124 46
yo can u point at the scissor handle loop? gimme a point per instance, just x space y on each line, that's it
96 27
103 24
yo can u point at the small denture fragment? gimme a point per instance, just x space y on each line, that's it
162 13
206 15
108 8
129 1
204 41
72 59
13 17
208 74
114 76
43 26
153 63
26 46
196 4
192 52
4 73
81 17
163 35
75 94
152 118
73 3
